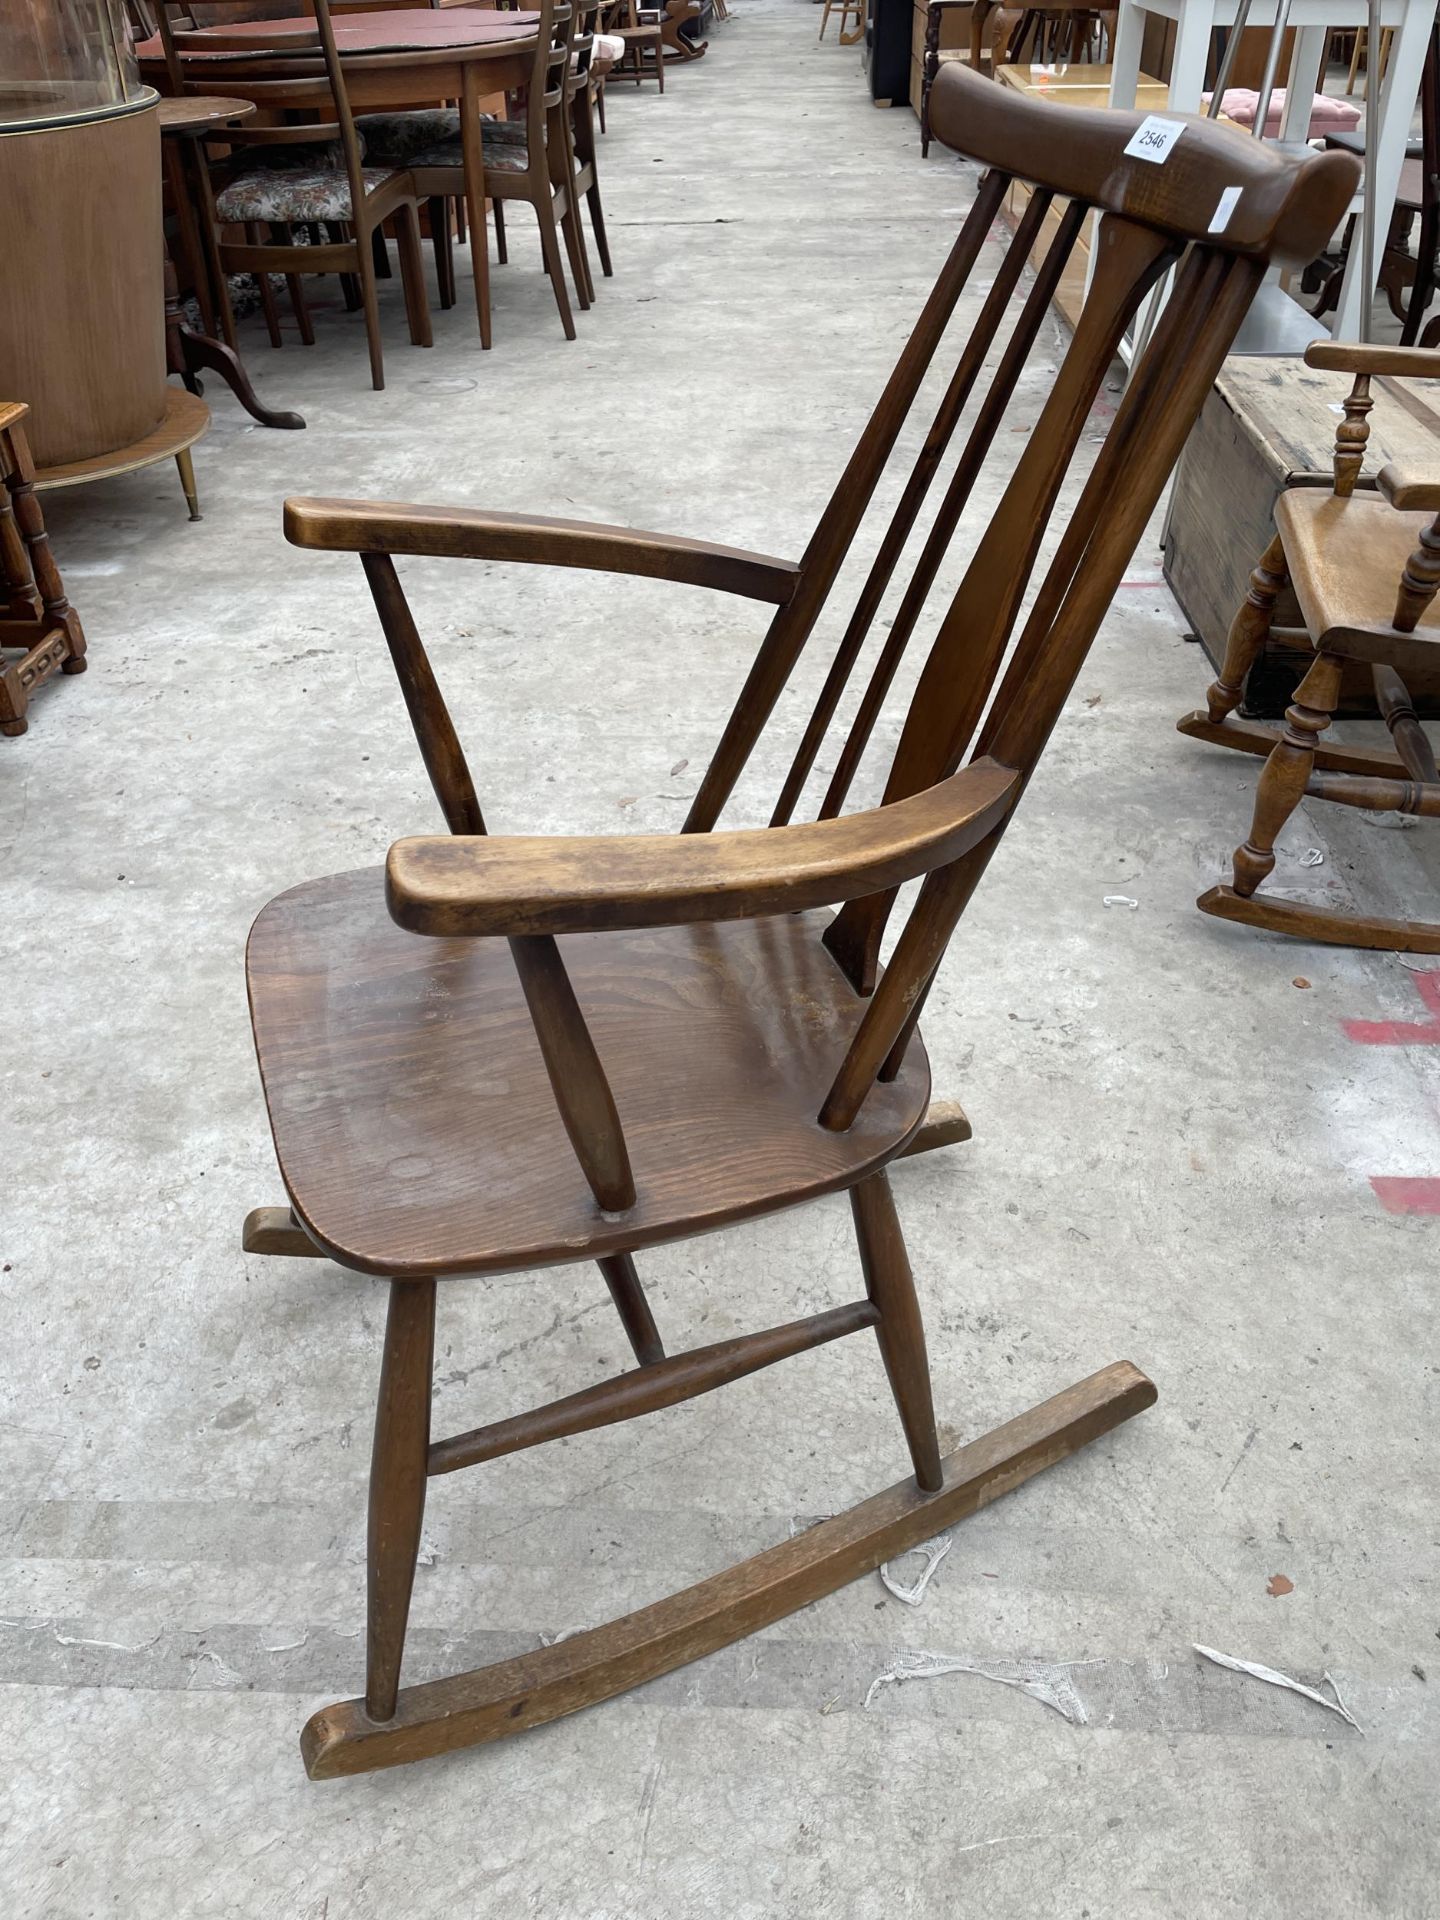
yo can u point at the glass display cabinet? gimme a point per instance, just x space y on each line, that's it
82 303
63 60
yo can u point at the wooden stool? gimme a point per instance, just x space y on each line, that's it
36 616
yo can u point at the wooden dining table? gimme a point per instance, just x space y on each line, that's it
393 58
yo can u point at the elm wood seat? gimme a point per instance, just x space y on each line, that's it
393 1066
713 1043
1365 566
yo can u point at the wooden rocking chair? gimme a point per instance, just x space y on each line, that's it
564 1050
1366 567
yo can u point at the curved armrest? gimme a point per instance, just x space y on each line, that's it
470 533
1406 489
470 885
1358 356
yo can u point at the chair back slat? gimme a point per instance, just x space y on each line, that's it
902 521
791 627
1032 316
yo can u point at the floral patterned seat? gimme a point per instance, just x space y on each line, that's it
295 194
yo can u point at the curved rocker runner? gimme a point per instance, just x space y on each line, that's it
500 1055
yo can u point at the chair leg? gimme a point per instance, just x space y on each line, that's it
597 222
185 466
412 275
502 252
267 294
1248 632
633 1307
1284 776
900 1330
575 248
550 248
299 306
443 248
1422 287
369 299
380 253
397 1486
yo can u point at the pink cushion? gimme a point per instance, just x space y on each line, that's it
1327 114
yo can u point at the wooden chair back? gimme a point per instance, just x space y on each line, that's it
277 75
1219 209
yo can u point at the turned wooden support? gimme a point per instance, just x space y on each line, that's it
1248 632
1351 435
1420 581
1287 772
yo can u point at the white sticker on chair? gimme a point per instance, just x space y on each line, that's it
1154 137
1225 206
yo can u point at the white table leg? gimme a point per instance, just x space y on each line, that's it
1192 52
1302 82
1125 54
1396 109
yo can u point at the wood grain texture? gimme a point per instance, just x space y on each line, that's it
514 1695
455 885
396 1070
363 526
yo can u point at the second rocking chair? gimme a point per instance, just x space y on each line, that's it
505 1054
1364 557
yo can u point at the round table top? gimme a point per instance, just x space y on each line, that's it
197 113
387 30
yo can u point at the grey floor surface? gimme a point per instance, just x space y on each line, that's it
1173 1161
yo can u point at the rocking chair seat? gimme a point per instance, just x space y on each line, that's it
1345 557
416 1128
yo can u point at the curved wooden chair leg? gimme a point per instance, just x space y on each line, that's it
492 1702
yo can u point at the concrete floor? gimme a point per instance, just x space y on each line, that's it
1173 1158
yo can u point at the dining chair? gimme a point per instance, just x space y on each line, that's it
304 176
504 1054
1363 557
643 33
580 132
526 159
847 9
40 632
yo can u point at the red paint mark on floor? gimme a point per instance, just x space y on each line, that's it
1402 1033
1406 1193
1278 1585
